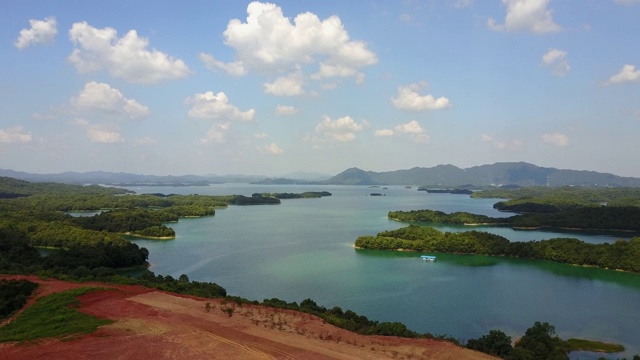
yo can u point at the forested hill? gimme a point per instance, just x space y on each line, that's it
512 173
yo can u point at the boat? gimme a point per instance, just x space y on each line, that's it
428 258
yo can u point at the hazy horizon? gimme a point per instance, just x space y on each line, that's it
218 87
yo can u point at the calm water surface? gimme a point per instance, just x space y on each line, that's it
303 249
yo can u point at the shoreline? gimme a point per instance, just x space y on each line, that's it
149 237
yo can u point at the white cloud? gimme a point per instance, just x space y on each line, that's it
406 18
328 71
290 85
501 145
627 74
103 136
272 149
126 58
343 129
556 139
234 68
383 133
486 138
147 140
557 60
216 133
216 106
261 135
408 98
286 110
102 98
269 41
41 32
508 145
15 135
526 15
461 4
413 128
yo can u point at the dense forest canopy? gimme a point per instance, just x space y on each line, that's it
621 255
605 218
561 198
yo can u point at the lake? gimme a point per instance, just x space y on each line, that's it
303 248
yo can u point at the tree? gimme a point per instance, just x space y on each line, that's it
495 343
540 342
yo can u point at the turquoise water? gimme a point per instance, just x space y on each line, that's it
303 249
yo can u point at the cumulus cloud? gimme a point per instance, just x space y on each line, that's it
40 32
286 110
102 98
413 129
269 41
126 57
272 149
408 98
627 74
556 139
557 60
15 135
383 133
103 136
233 68
290 85
501 145
216 106
216 133
526 15
343 129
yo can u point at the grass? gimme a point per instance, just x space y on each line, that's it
595 346
52 316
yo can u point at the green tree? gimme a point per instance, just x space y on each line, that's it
495 343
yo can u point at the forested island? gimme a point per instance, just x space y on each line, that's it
606 218
602 209
621 255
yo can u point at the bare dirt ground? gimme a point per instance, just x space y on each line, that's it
150 324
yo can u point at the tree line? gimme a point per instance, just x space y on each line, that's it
620 255
608 218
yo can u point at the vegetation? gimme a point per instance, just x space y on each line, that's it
304 195
539 342
527 199
581 218
13 295
621 255
52 316
594 346
349 320
434 216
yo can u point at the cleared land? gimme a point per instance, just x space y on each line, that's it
150 324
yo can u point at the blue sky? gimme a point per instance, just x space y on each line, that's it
230 87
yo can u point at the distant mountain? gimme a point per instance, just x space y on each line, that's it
110 178
498 174
441 176
308 176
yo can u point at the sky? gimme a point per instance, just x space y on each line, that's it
271 88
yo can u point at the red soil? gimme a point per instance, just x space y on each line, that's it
151 324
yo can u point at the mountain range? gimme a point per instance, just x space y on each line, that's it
441 176
498 174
